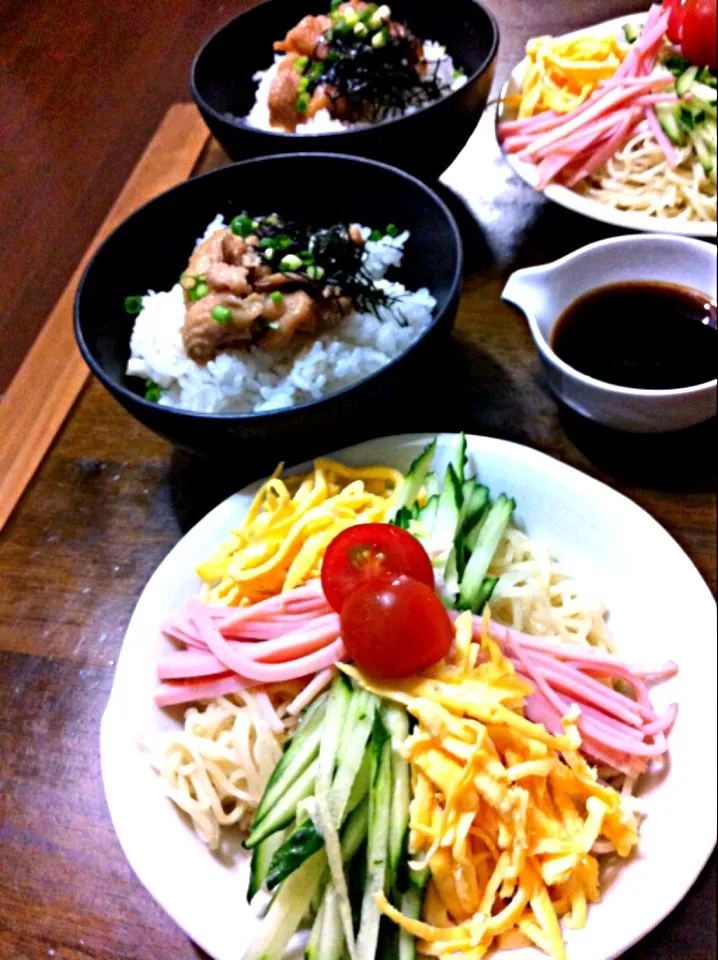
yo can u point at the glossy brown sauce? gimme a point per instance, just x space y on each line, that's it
651 336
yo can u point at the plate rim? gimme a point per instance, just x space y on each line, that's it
194 930
569 199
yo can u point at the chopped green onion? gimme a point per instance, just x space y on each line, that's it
303 84
241 226
361 30
392 230
381 14
283 241
376 235
221 314
152 391
276 296
368 12
201 290
316 70
302 103
307 256
341 28
315 272
133 305
300 64
351 18
335 5
266 242
458 72
255 224
187 282
290 262
380 39
269 253
272 219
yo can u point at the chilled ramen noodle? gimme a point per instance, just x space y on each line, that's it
639 179
216 766
535 596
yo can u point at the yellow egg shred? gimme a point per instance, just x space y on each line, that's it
281 543
562 73
504 813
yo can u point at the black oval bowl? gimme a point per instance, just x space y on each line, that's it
425 142
151 248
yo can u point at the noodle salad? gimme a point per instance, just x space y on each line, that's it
417 719
630 123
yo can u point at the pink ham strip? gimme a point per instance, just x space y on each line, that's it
264 672
550 166
312 690
183 664
171 694
268 713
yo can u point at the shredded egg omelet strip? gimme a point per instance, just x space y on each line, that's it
288 527
562 73
504 813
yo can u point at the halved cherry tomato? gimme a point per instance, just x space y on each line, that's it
675 20
393 628
370 551
699 43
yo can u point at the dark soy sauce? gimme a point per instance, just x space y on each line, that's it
652 336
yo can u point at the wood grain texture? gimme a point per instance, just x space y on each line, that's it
110 500
53 373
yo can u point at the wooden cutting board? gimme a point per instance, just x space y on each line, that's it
43 390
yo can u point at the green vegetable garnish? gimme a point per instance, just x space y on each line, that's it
315 272
303 102
300 64
375 235
153 391
392 230
265 243
133 305
201 290
290 262
276 296
221 314
241 226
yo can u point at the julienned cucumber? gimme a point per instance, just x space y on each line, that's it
327 939
492 529
410 906
292 902
414 479
396 721
300 751
262 859
284 810
306 839
377 844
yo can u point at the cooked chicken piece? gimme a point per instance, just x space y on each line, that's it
207 253
303 38
203 336
282 99
223 276
320 101
276 280
300 313
355 235
233 248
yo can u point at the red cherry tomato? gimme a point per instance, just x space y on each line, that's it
675 20
370 551
698 40
393 628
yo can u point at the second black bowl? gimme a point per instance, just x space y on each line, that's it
425 142
151 248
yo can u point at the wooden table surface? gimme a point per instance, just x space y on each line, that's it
111 499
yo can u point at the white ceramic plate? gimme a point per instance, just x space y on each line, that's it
660 608
584 205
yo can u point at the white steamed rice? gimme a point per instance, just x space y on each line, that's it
245 381
322 121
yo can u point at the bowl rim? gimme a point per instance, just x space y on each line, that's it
605 386
117 386
239 123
